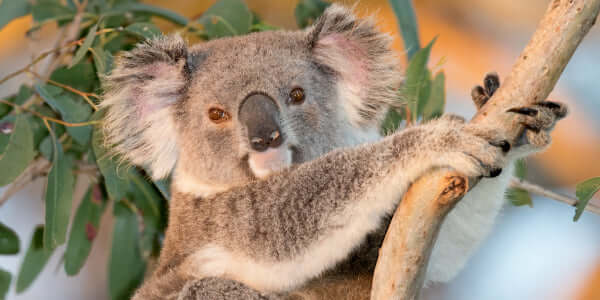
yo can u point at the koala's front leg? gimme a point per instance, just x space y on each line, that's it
276 234
472 218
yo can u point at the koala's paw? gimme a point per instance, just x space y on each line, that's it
473 152
537 119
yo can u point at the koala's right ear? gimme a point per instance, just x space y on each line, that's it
139 97
362 58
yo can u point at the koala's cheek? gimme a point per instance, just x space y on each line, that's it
264 163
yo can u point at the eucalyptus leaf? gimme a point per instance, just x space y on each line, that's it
434 107
80 77
226 18
519 197
103 61
45 9
143 30
87 43
407 21
12 9
125 251
308 11
5 279
417 78
115 178
59 194
35 259
84 229
585 191
392 121
9 241
18 152
520 168
132 7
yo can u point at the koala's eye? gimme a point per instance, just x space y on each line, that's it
297 96
218 115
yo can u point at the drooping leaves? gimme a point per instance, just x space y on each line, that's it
125 251
115 177
5 279
18 149
35 259
418 80
87 43
84 229
59 194
585 191
407 21
9 241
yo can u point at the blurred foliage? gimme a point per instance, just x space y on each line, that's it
51 123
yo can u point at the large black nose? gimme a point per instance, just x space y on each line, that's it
260 115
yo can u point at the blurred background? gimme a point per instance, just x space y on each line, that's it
533 253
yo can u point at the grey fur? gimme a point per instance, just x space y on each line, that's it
236 234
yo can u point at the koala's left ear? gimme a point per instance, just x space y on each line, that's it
361 57
140 95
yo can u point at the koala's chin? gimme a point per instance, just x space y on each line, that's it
267 162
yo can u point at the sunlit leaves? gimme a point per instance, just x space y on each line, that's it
434 106
226 18
143 30
585 191
9 241
87 43
417 85
35 259
307 11
407 22
18 151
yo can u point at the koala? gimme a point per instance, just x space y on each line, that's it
280 173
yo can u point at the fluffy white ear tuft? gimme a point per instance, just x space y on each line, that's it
139 97
361 57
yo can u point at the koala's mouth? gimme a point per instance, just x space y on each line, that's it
262 164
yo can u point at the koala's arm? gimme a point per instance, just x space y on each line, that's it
276 234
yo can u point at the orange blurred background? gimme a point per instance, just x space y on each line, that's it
536 253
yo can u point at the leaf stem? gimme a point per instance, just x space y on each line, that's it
84 95
47 118
540 190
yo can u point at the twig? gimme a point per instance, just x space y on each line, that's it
47 118
84 95
399 276
540 190
36 169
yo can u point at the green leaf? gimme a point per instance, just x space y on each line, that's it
9 241
405 14
585 191
417 78
150 205
18 152
520 168
23 95
519 197
35 260
262 27
81 76
423 94
87 43
84 229
5 279
44 10
392 121
226 18
308 11
143 30
12 9
115 178
434 107
103 61
126 267
149 9
59 194
71 108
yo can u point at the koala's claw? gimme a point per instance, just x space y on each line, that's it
532 112
538 120
503 144
481 95
495 172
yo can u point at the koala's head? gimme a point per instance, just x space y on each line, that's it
226 111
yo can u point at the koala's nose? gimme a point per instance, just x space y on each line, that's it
260 115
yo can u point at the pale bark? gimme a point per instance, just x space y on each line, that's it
404 256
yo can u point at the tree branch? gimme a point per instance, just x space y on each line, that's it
404 256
